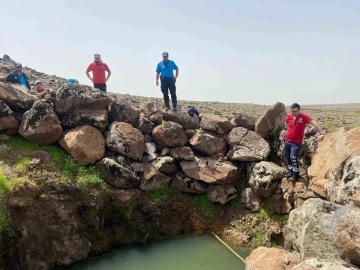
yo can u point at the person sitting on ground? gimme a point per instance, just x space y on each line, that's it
17 76
39 90
98 68
296 124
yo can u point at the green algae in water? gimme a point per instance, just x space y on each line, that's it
190 253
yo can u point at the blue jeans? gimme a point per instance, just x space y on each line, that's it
292 152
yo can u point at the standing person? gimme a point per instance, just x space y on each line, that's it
296 124
98 69
165 70
19 77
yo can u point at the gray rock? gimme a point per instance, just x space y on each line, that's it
150 148
137 167
169 134
123 111
165 151
216 124
272 121
182 118
324 264
182 153
145 125
164 164
95 118
245 121
16 97
188 185
152 179
208 144
221 193
190 133
251 200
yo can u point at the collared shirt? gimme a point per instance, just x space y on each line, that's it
22 79
166 69
296 127
98 71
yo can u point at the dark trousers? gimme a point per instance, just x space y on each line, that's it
292 153
100 86
168 84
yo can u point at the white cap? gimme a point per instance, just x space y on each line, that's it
38 81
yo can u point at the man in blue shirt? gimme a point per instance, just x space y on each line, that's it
165 71
17 76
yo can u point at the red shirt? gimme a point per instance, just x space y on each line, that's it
296 127
98 71
40 90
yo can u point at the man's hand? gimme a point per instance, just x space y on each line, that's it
157 83
175 80
320 138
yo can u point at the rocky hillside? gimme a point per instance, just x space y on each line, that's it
83 171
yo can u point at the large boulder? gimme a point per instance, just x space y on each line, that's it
221 193
264 258
246 145
126 140
216 124
208 144
211 171
188 185
265 178
117 175
272 121
251 200
164 164
347 236
245 121
123 111
182 118
40 124
169 134
331 152
344 180
95 118
182 153
72 97
16 97
85 143
310 229
152 179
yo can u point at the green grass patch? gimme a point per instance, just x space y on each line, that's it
204 203
258 238
22 165
161 194
236 203
4 185
61 160
266 213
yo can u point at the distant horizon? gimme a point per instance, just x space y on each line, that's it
251 51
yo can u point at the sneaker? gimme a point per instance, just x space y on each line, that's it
175 109
295 177
290 174
167 109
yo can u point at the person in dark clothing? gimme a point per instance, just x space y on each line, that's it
17 76
165 71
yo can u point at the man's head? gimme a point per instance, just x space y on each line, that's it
97 58
18 67
295 109
165 56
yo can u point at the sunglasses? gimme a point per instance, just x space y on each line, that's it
97 58
18 67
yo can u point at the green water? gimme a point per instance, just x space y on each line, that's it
190 253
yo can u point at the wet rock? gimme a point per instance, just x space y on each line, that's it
152 179
265 178
16 97
344 181
190 133
272 121
117 175
40 124
278 204
246 145
221 193
245 121
95 118
164 164
251 200
182 118
188 185
310 229
85 143
123 111
211 171
125 140
216 124
347 236
145 125
73 97
182 153
264 258
208 144
169 134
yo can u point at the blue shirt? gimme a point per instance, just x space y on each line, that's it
22 79
166 69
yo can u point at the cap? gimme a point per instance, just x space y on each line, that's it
96 55
38 81
165 54
17 64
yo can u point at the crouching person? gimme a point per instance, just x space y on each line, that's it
19 77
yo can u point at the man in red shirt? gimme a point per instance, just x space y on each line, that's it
98 69
296 123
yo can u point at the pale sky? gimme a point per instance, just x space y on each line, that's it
258 51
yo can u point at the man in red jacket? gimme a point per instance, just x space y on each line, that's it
98 69
296 123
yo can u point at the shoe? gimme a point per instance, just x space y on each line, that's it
290 174
295 177
167 109
175 109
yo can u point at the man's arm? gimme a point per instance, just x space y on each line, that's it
176 73
157 78
318 128
108 72
87 73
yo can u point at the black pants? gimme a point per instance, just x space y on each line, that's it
168 84
100 86
292 152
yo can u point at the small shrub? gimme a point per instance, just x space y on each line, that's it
258 238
